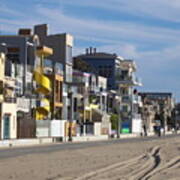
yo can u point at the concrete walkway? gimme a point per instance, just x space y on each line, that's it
50 140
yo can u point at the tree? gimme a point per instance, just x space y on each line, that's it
114 121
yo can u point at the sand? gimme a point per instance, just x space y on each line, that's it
157 159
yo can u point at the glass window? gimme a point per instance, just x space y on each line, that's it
59 68
69 54
68 73
1 87
48 63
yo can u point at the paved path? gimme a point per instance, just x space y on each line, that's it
21 151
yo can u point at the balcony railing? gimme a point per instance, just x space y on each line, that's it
131 80
9 99
137 116
126 99
23 104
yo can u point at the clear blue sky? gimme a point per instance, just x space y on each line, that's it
147 31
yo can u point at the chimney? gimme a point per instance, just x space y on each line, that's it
41 30
25 32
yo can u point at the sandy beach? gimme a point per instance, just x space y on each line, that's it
157 159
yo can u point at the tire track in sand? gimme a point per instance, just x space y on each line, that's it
139 167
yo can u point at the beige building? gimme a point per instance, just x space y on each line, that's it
8 120
157 107
2 61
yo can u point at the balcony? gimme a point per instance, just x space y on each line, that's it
9 99
126 99
128 80
137 116
137 81
137 99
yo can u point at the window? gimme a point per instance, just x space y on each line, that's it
124 108
1 87
105 71
68 73
59 68
69 54
8 68
61 91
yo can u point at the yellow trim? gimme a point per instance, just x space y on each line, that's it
57 104
43 82
94 106
45 51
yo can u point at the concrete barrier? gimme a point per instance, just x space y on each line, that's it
90 138
37 141
124 136
24 142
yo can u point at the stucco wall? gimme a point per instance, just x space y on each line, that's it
9 108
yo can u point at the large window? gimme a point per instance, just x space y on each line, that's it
1 87
105 71
59 68
69 54
68 73
12 62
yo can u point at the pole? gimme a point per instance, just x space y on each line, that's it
71 116
119 123
25 68
53 92
84 116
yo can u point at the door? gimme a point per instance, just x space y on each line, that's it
6 126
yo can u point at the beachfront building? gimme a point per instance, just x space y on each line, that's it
157 106
95 97
121 80
130 101
55 75
61 45
90 103
8 121
19 65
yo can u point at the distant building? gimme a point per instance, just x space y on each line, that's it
176 122
157 106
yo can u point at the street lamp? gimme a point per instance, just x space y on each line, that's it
25 64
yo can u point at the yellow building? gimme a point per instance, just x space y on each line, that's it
43 84
57 94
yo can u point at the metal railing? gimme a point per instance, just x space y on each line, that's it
10 99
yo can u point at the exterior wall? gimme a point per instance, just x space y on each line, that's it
43 128
2 62
97 129
10 109
137 125
102 83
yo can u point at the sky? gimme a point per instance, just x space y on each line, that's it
147 31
